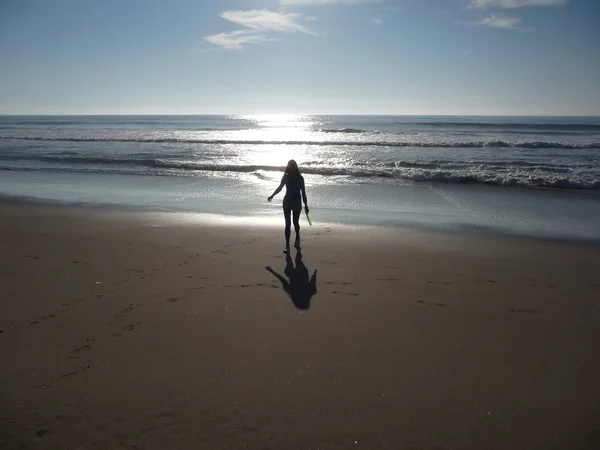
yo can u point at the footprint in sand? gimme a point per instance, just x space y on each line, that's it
41 433
424 302
75 372
351 294
526 311
268 285
124 311
445 283
198 288
68 374
86 347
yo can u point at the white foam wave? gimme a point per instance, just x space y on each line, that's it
350 143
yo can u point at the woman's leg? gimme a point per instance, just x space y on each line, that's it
297 225
286 214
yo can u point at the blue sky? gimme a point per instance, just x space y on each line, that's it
506 57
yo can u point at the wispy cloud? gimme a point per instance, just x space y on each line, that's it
500 21
264 20
376 21
236 39
324 2
512 4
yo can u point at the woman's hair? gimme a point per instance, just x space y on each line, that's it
292 168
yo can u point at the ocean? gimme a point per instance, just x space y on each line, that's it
520 175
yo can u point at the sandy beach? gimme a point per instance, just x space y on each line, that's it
123 330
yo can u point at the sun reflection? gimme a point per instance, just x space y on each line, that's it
278 128
297 121
274 139
273 155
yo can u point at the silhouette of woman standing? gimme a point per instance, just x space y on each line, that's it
292 203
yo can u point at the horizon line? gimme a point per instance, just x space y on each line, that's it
289 114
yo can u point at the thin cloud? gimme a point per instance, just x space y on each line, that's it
263 20
236 39
513 4
500 21
324 2
376 21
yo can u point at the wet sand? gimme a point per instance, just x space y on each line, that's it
134 330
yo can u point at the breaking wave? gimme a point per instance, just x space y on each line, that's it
516 174
544 126
348 130
355 143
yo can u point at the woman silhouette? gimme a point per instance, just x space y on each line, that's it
294 187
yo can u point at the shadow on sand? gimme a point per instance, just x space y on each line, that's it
299 287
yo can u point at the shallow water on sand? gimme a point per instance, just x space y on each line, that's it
440 207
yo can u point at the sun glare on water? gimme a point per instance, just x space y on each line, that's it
279 128
285 121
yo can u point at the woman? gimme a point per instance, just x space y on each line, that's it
294 186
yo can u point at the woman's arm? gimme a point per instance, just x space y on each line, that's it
304 199
278 190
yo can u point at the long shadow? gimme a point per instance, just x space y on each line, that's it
300 286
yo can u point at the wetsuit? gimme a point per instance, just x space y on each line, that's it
295 194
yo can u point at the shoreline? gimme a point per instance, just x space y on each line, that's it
198 218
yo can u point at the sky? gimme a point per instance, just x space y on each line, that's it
465 57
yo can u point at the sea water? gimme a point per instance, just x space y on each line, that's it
526 175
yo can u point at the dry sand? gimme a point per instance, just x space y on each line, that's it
131 330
